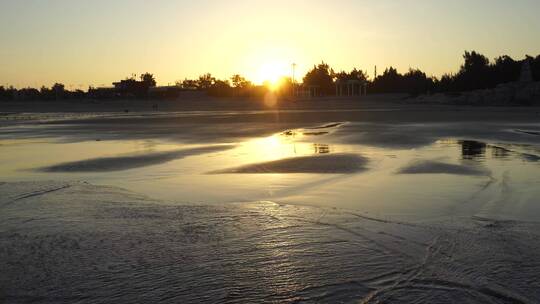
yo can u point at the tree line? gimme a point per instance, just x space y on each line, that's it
476 72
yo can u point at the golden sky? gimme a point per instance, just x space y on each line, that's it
83 42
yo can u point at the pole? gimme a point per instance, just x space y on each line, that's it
293 79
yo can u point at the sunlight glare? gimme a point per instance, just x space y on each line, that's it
277 146
270 73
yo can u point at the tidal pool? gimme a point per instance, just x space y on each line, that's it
413 172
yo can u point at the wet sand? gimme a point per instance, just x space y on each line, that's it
341 202
322 164
436 167
77 242
127 162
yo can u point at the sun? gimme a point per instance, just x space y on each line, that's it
271 73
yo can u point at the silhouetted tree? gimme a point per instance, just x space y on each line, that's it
389 82
474 73
505 69
445 84
359 75
535 68
77 94
27 94
321 76
148 79
188 84
7 94
413 82
58 90
353 75
416 82
478 73
46 93
130 87
240 82
220 88
205 81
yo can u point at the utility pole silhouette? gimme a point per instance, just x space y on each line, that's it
293 79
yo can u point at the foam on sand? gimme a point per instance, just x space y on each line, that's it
437 167
117 163
328 163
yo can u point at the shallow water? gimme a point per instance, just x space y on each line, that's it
417 172
400 212
76 242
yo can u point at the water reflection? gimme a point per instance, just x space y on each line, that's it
471 149
299 140
476 150
280 146
288 167
500 152
530 157
321 148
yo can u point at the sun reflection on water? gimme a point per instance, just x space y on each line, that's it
275 147
284 145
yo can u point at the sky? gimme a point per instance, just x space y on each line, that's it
95 42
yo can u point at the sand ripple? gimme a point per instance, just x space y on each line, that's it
328 163
436 167
117 163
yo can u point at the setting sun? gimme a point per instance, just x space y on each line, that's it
271 73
